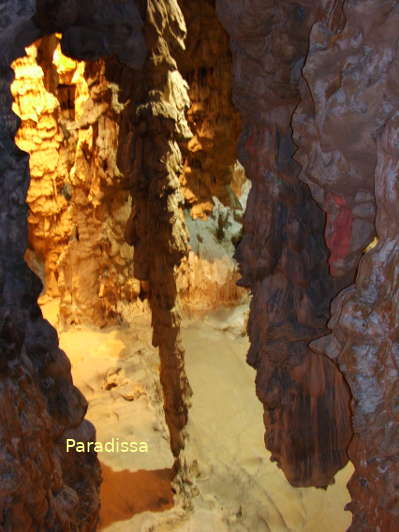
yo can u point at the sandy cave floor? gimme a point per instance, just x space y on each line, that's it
239 489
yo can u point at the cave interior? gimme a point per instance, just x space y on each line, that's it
198 265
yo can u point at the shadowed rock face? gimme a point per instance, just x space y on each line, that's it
42 487
95 29
282 254
345 126
347 131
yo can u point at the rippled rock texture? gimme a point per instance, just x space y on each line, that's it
347 132
42 487
336 97
315 85
282 254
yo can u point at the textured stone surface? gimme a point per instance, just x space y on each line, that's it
170 150
347 132
42 488
282 254
210 154
155 152
78 200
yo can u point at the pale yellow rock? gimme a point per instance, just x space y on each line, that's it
78 210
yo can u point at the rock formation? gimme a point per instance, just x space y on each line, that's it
347 129
166 126
42 487
78 201
282 254
315 98
210 154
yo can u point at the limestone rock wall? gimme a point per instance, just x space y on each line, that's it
79 204
212 181
282 254
347 132
41 487
210 154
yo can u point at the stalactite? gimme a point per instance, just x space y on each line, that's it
154 123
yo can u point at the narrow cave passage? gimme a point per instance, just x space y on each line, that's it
135 209
79 209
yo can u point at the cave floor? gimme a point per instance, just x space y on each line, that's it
237 487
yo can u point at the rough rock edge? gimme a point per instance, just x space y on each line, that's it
43 488
351 80
282 254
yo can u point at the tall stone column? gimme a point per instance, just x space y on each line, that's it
152 126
